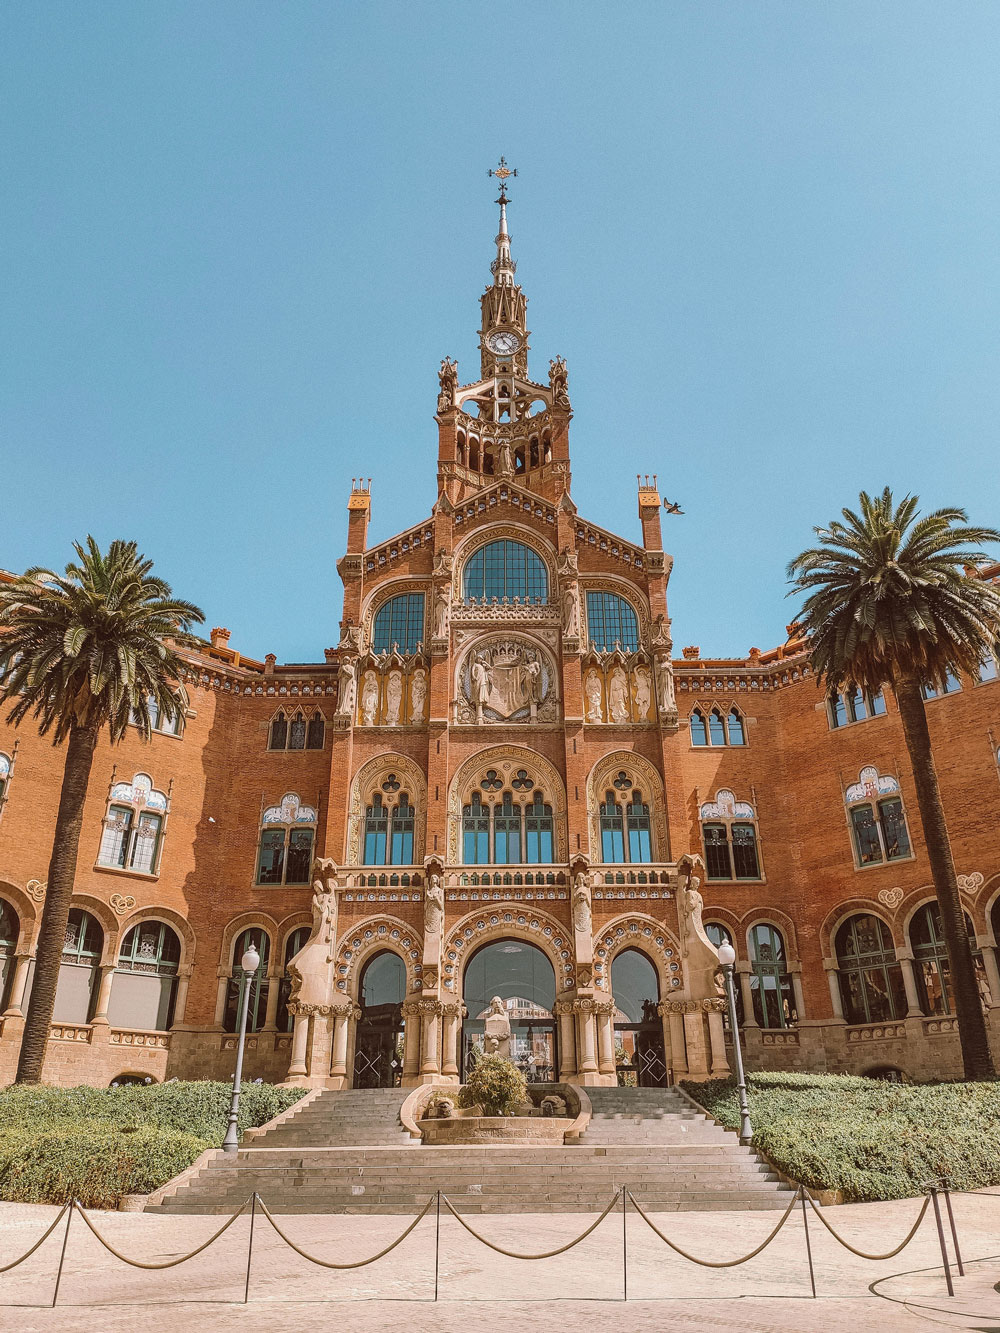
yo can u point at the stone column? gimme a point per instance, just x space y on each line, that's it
220 1000
800 1005
430 1018
452 1013
19 984
567 1043
586 1058
905 960
271 1011
605 1038
103 995
749 1016
717 1039
989 962
411 1041
833 977
678 1046
300 1047
342 1014
696 1037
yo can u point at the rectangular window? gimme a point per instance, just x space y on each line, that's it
897 841
717 862
538 839
476 840
876 703
745 861
988 668
402 836
856 706
272 856
838 712
508 840
376 835
866 840
146 844
639 844
116 836
300 845
612 836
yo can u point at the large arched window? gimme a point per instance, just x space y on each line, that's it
79 968
933 968
10 929
505 569
296 941
399 624
388 828
611 623
720 934
770 982
523 977
640 1059
378 1051
259 983
284 855
729 832
626 832
507 823
871 980
146 978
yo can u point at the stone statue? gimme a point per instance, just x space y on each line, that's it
481 684
559 382
311 969
665 685
642 692
571 612
497 1026
582 915
447 384
533 671
553 1105
346 685
369 698
505 459
393 698
592 689
418 694
441 614
618 695
433 906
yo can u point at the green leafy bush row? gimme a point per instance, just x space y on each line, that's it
96 1144
869 1138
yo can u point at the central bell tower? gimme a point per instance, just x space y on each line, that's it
504 425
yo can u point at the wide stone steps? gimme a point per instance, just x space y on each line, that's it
346 1152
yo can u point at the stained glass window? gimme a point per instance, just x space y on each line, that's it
871 981
611 622
770 983
150 947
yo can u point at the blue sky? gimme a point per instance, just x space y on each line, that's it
240 237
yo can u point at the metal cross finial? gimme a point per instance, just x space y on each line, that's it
502 173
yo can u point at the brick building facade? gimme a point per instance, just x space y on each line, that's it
504 721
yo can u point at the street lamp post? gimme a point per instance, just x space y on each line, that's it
727 957
249 963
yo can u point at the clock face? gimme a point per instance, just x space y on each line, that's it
503 344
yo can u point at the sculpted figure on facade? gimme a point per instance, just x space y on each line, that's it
311 969
618 695
433 907
480 692
369 698
393 698
571 612
582 911
497 1025
665 685
643 692
346 685
441 614
592 690
506 680
559 382
418 695
505 459
447 384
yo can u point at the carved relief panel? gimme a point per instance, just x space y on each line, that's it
618 689
507 678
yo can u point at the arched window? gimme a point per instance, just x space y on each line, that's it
720 934
389 823
146 978
699 730
133 827
770 982
284 855
316 734
297 732
378 1054
507 822
933 969
625 824
952 685
640 1059
10 929
522 976
878 822
729 833
79 968
734 723
159 721
259 983
278 739
716 728
871 980
505 569
611 622
399 624
296 941
843 709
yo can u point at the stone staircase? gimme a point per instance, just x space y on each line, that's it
347 1153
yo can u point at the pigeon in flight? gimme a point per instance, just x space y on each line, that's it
672 507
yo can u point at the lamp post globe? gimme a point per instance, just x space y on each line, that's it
249 964
727 959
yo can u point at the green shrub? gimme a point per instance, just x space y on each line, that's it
869 1138
496 1085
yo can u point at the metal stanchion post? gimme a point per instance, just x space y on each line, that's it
809 1253
946 1191
625 1242
253 1218
62 1253
437 1245
931 1188
249 963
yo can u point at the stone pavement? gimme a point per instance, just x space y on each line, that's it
481 1290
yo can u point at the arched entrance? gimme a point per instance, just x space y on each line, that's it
640 1060
378 1048
524 979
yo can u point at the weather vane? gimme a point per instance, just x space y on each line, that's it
502 173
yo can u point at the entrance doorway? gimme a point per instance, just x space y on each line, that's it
524 979
640 1059
378 1047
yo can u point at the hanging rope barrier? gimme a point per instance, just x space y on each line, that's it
713 1263
358 1263
28 1253
891 1254
513 1254
169 1263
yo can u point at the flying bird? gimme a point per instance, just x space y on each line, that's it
672 507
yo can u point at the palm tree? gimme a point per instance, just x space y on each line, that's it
81 653
896 597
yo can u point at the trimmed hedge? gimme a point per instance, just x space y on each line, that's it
96 1144
869 1138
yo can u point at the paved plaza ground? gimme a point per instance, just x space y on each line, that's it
481 1290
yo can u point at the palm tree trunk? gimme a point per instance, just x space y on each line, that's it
58 897
976 1056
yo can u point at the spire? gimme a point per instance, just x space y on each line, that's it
503 338
503 267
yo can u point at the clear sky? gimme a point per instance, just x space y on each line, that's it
239 237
